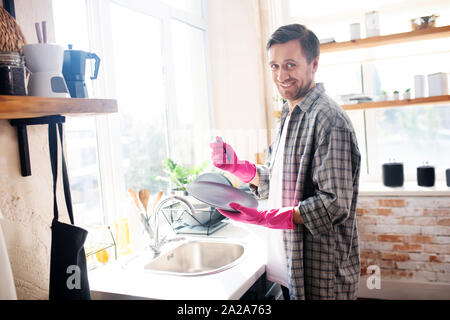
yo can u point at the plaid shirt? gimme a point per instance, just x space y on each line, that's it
320 175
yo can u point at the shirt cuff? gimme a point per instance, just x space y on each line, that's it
315 217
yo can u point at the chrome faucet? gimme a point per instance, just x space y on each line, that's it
153 228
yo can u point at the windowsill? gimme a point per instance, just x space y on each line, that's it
374 189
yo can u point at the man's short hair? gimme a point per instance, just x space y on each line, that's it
308 40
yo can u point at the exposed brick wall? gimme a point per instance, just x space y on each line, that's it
408 238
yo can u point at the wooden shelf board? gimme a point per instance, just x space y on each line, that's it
416 35
19 107
398 103
391 104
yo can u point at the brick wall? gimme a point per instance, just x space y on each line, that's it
408 238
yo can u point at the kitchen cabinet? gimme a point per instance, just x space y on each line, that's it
259 290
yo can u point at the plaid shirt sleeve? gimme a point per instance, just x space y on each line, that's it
262 190
332 174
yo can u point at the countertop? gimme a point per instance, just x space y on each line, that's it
126 278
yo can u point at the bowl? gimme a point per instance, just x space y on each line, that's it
424 22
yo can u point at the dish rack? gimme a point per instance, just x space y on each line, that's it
100 247
187 218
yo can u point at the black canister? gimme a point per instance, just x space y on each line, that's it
12 74
393 174
447 175
425 176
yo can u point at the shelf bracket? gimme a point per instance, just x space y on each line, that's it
22 136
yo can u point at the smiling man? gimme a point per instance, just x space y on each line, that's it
310 177
292 70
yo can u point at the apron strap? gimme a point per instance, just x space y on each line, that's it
66 183
53 147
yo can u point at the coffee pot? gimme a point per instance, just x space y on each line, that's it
74 69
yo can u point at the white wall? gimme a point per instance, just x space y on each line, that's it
237 65
27 202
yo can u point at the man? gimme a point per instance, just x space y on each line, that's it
318 172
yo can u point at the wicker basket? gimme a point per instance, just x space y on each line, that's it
11 36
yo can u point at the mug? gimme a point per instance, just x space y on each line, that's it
419 86
355 31
44 57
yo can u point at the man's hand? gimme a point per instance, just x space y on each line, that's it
275 218
224 157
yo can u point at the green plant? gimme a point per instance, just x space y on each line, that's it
384 93
408 90
396 92
179 174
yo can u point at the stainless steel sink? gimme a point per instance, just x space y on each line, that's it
198 257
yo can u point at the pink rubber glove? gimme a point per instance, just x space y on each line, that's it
224 157
274 218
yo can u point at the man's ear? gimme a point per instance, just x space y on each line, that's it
315 64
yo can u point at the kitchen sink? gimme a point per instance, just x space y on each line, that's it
198 257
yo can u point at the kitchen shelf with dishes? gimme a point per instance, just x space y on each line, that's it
23 111
438 97
377 41
436 100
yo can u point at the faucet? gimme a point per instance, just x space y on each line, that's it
153 228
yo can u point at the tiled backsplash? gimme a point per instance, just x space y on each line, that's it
408 238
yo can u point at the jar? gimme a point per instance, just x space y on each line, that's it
12 74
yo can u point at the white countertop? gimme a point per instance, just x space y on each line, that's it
121 280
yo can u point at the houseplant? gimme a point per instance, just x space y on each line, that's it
407 94
180 175
396 95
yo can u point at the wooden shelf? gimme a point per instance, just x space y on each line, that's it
398 103
417 35
22 111
20 107
437 100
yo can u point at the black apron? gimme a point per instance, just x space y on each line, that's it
68 271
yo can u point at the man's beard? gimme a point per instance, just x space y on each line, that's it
302 91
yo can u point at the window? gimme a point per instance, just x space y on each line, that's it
155 63
191 6
80 132
412 135
191 94
140 91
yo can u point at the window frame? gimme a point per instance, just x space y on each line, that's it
112 178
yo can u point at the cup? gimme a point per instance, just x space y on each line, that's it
419 86
438 84
44 57
355 31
